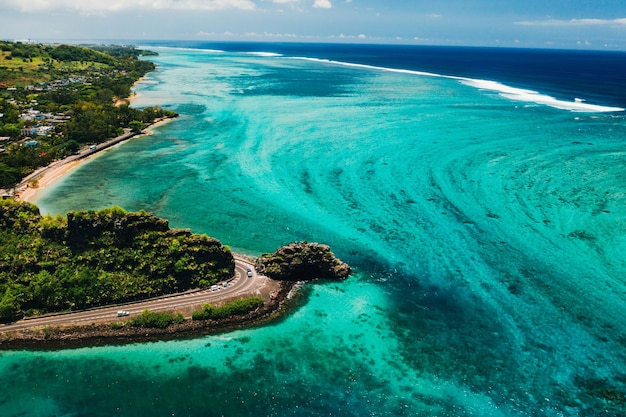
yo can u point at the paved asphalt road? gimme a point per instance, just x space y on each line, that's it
240 284
82 154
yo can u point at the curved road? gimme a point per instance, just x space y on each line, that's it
240 284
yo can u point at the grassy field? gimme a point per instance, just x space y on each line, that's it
20 72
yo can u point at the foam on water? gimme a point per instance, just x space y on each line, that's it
265 54
519 94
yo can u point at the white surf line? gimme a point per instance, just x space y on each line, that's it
182 48
512 93
264 54
520 94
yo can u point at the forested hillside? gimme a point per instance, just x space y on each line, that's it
92 258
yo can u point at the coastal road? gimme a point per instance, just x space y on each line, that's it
82 154
239 285
49 170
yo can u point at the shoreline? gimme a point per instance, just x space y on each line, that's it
45 176
106 333
133 95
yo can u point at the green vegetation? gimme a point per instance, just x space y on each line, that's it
300 261
71 93
208 312
27 64
92 258
152 320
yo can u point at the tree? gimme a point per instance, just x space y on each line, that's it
11 113
71 146
9 306
9 176
13 130
136 126
126 114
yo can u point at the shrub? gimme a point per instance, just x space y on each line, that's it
53 228
242 306
9 307
151 319
115 211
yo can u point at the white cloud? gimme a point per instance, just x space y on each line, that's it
344 36
293 4
322 4
99 6
575 22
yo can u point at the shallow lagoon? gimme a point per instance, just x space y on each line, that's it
487 235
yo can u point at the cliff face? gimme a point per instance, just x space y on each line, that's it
86 228
192 259
301 261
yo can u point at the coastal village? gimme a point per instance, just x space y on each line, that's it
33 120
56 100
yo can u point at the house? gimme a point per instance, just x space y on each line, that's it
44 130
56 119
32 115
29 131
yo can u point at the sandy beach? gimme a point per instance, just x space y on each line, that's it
34 183
133 95
127 100
29 191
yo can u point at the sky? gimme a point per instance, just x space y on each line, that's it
589 24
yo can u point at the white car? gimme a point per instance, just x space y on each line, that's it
215 287
249 272
122 313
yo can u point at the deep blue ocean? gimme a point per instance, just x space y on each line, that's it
565 74
478 193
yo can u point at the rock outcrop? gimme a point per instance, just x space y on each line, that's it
301 261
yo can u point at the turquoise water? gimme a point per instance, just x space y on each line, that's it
487 235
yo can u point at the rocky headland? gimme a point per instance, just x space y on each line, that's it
92 260
302 261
